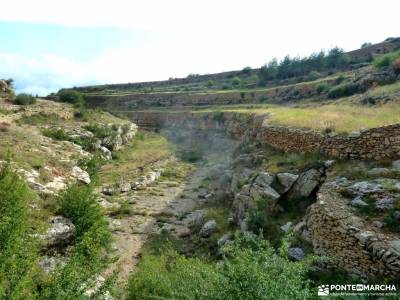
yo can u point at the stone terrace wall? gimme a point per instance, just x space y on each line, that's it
352 244
375 143
277 95
234 124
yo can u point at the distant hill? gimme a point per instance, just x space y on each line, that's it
195 82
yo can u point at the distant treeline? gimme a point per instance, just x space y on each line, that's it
306 66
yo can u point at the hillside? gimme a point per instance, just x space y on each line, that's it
251 184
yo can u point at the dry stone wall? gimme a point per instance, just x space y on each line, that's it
376 143
373 144
349 241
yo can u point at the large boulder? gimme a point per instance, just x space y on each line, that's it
285 181
307 183
208 229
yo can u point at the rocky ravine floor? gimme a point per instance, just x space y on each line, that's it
132 231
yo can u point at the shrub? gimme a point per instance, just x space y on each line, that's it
236 81
210 83
92 239
396 66
79 204
71 96
242 95
322 87
18 265
343 90
313 76
250 270
386 60
24 99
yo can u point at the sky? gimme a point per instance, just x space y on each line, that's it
46 45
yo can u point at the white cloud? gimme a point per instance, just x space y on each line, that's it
196 36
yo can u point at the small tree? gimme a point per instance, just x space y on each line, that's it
236 81
71 96
24 99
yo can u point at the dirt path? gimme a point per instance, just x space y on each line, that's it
134 230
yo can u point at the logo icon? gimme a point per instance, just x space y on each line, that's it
323 290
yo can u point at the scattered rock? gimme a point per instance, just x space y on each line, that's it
115 225
366 187
396 165
296 253
195 218
56 185
395 246
80 175
105 153
385 203
266 192
48 264
208 228
358 202
299 226
329 163
60 232
377 224
108 205
223 239
124 187
285 228
379 172
264 179
354 134
109 190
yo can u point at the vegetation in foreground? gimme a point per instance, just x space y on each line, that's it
20 275
250 269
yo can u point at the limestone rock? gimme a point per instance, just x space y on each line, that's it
80 175
264 179
379 171
266 192
396 165
384 203
285 228
195 218
60 232
286 181
208 228
307 182
296 253
358 202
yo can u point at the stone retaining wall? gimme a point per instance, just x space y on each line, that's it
376 143
351 243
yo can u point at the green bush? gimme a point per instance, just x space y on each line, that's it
236 81
24 99
386 60
322 87
343 90
250 270
79 204
92 238
71 96
18 264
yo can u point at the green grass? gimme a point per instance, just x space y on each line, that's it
249 271
144 149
